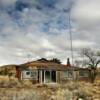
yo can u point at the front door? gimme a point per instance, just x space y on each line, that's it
53 76
48 76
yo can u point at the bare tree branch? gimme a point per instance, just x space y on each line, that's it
93 61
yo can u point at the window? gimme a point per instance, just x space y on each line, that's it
27 73
67 74
83 73
70 74
33 74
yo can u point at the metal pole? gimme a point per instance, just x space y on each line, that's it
70 32
71 45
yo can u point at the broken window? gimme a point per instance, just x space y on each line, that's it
28 73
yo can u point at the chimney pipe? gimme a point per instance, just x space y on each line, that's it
68 62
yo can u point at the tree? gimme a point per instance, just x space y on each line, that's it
56 60
93 59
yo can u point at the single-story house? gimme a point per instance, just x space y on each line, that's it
42 71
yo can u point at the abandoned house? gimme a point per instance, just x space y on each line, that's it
44 71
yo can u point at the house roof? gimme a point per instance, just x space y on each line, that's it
44 65
47 65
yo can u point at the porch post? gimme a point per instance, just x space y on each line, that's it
41 76
50 76
56 76
44 76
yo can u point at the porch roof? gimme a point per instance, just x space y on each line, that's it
60 68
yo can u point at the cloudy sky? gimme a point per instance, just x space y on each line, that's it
31 29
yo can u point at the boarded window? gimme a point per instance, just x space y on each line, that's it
67 74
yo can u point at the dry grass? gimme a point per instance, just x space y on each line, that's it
14 90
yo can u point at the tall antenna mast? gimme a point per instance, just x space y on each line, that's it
70 32
71 42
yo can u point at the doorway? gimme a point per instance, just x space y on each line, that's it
53 76
48 76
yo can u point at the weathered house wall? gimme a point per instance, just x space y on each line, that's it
63 73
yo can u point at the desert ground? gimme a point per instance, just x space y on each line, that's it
12 89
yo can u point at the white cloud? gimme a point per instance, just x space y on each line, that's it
82 44
7 3
87 12
23 39
86 15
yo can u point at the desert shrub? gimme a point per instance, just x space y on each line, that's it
27 83
26 95
63 94
25 90
71 86
6 83
23 94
